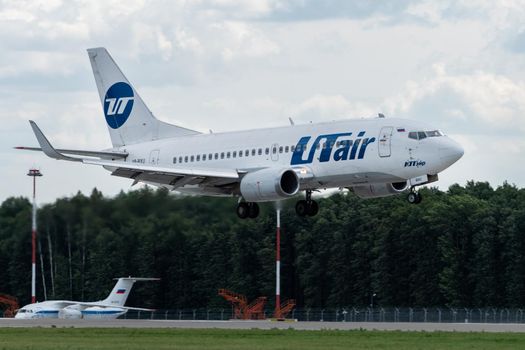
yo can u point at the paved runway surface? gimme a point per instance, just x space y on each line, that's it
428 327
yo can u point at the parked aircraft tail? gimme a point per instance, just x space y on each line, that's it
128 118
120 292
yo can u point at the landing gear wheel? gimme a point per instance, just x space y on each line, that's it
313 208
414 198
243 210
253 210
301 208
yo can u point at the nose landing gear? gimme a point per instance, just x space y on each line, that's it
307 207
414 197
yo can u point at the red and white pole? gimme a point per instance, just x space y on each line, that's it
34 173
278 267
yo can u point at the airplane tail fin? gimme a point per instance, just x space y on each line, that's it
129 119
120 292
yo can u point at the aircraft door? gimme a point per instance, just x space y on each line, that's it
385 138
275 152
154 157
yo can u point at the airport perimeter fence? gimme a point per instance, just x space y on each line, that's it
351 314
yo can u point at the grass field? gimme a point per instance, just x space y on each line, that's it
211 339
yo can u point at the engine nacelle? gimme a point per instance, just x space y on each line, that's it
269 185
380 190
70 312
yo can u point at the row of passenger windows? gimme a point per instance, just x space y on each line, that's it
226 155
255 151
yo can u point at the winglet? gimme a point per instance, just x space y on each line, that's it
49 150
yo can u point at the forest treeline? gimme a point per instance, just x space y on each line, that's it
463 247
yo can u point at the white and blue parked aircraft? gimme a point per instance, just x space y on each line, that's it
109 308
373 157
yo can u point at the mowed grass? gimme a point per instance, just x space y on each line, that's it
211 339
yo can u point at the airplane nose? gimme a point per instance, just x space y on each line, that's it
450 152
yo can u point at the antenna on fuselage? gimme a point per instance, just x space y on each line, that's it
380 115
292 123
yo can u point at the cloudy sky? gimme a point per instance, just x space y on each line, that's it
232 64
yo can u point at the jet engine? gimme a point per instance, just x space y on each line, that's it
380 190
269 184
70 312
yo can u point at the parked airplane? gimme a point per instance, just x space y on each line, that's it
373 157
109 308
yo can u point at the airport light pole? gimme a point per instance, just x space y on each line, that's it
34 173
278 267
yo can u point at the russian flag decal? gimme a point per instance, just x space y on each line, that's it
121 291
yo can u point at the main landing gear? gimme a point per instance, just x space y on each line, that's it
247 210
414 197
307 207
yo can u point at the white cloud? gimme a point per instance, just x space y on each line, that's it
485 100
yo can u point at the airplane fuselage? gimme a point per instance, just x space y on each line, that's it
334 154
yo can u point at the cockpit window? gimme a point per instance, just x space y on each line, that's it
420 135
434 133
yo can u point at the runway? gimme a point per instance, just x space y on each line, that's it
383 326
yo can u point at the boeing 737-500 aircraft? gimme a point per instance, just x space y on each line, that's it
372 157
109 308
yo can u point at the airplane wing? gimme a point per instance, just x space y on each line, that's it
173 177
65 303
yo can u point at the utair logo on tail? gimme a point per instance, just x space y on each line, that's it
118 104
347 149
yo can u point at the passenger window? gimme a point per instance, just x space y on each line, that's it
286 149
198 157
192 158
210 156
240 153
280 149
412 135
216 156
180 159
253 152
421 135
186 159
292 148
247 153
260 151
222 155
174 160
203 157
274 150
267 151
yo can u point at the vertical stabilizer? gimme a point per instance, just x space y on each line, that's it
120 292
128 118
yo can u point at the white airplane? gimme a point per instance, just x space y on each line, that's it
109 308
373 157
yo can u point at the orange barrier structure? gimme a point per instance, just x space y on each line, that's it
9 304
241 309
286 308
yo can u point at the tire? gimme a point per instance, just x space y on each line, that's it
412 198
419 198
301 208
313 208
243 210
253 210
